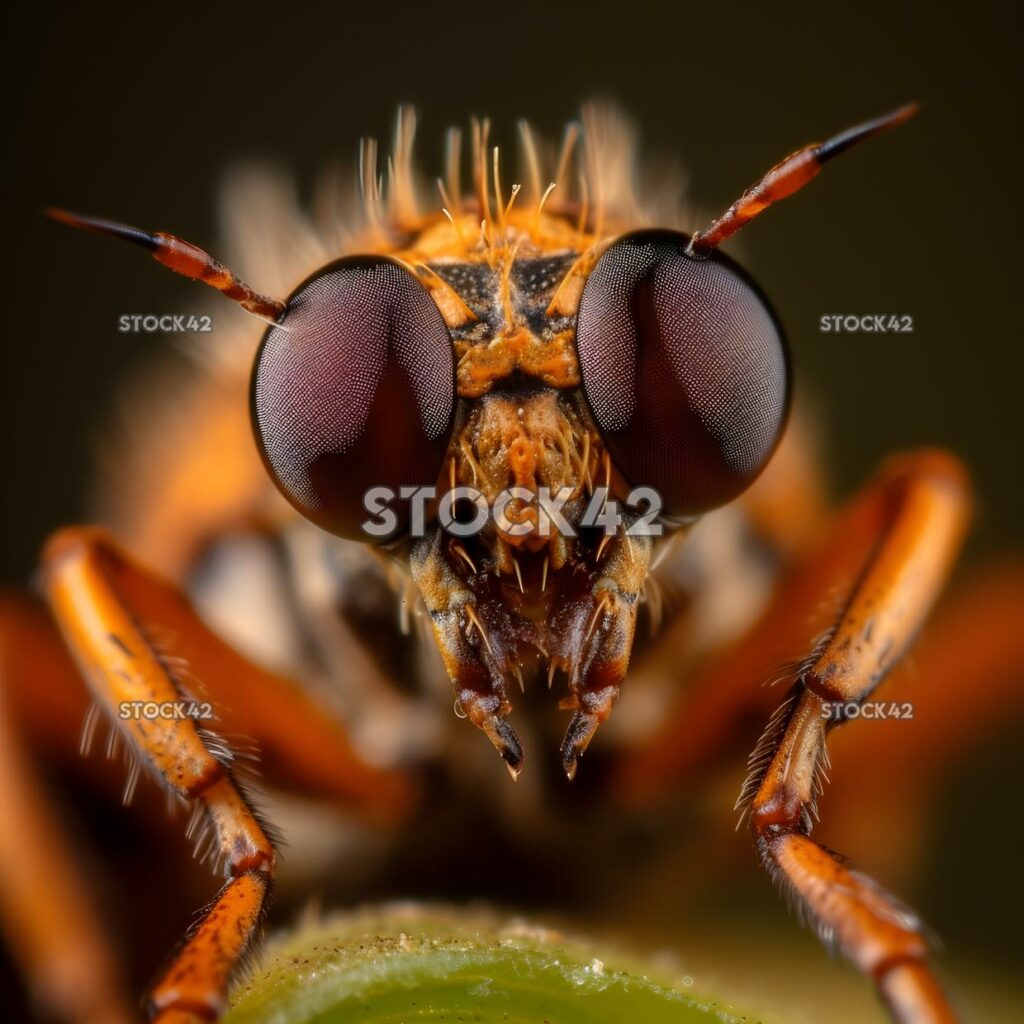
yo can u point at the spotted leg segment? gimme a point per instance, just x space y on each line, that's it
102 603
918 509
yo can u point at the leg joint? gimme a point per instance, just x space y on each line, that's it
776 815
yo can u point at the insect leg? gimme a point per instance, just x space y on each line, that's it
102 603
301 746
917 509
973 634
723 693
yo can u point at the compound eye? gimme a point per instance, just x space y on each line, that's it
684 369
354 389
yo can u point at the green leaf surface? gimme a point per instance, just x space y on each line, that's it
411 964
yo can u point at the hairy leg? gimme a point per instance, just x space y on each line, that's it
138 644
917 512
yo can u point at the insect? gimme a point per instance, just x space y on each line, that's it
430 370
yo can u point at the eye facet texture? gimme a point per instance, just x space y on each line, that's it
684 369
354 389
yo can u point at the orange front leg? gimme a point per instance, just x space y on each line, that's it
302 747
919 504
122 666
105 607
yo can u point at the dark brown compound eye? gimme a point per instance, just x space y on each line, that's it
355 389
684 368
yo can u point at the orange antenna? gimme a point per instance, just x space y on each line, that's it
183 258
789 176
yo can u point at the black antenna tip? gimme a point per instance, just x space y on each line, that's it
844 140
123 232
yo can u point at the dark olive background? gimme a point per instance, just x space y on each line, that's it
135 116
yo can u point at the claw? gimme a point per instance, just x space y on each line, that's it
582 727
591 709
506 742
487 712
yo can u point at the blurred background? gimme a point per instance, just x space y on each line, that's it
135 116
